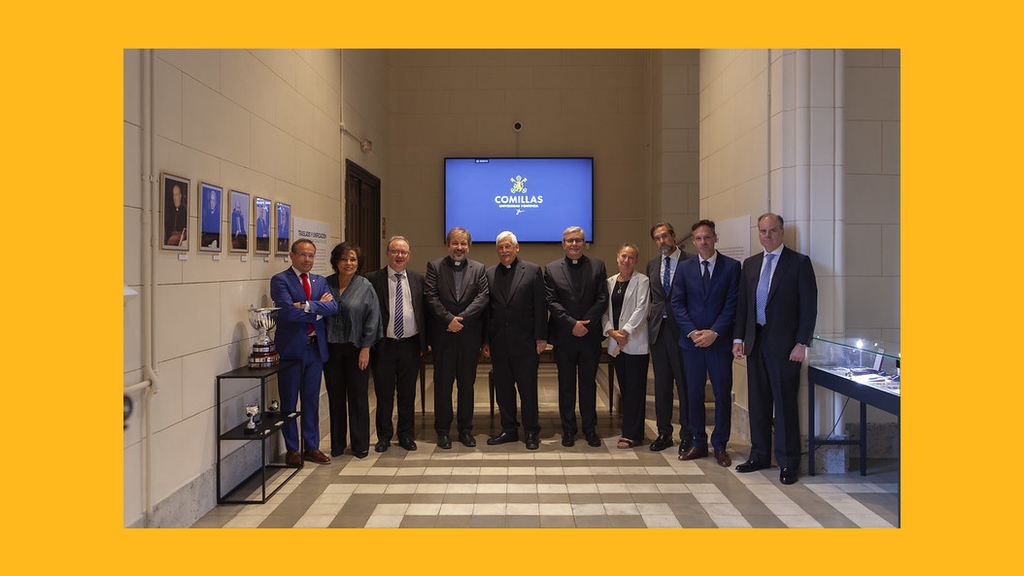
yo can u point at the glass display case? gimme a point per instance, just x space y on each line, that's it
864 370
863 361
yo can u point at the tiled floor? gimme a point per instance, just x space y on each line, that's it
509 486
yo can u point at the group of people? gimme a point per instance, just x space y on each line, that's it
688 316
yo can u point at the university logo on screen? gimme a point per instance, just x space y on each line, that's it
518 198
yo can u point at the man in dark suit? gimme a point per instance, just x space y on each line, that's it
704 298
304 300
516 334
395 360
663 335
262 229
455 289
775 316
576 289
239 231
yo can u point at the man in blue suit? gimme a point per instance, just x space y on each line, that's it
304 300
775 317
704 297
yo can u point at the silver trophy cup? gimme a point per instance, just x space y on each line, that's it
253 412
264 352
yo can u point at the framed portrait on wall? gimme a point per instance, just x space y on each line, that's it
262 244
175 211
284 221
210 198
238 227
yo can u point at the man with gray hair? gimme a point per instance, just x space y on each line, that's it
576 290
516 333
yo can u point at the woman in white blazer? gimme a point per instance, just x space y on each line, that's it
625 324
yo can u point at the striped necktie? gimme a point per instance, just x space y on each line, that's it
399 308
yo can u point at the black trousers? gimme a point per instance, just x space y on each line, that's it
577 363
396 365
773 384
631 370
669 381
510 373
455 362
348 398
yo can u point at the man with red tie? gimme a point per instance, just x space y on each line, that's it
304 300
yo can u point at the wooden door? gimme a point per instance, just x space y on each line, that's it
362 213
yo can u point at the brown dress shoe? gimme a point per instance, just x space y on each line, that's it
293 458
316 456
722 457
694 452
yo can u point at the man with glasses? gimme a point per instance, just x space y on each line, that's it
304 300
456 292
576 291
395 360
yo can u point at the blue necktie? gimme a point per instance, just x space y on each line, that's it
761 297
706 276
399 308
665 284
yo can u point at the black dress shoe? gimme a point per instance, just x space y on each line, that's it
382 446
532 443
444 441
751 466
407 443
362 454
787 476
503 438
661 442
568 440
593 439
685 443
467 439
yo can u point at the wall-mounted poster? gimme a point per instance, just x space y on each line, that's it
175 210
284 217
238 230
262 226
209 217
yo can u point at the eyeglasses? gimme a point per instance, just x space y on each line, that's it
399 253
574 240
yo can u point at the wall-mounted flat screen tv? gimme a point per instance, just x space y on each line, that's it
535 198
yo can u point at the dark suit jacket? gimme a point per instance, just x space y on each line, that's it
443 307
379 279
567 306
792 306
293 323
713 309
515 322
660 300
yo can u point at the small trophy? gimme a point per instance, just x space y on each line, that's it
264 352
253 412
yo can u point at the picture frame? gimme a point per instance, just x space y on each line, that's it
261 243
210 222
238 222
283 227
174 211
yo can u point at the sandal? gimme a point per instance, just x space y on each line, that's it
625 443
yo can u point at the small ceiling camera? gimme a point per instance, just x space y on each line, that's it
517 126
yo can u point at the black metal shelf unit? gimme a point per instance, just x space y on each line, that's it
270 424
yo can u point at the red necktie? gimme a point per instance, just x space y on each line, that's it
306 287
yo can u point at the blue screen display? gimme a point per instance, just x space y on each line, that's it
535 198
